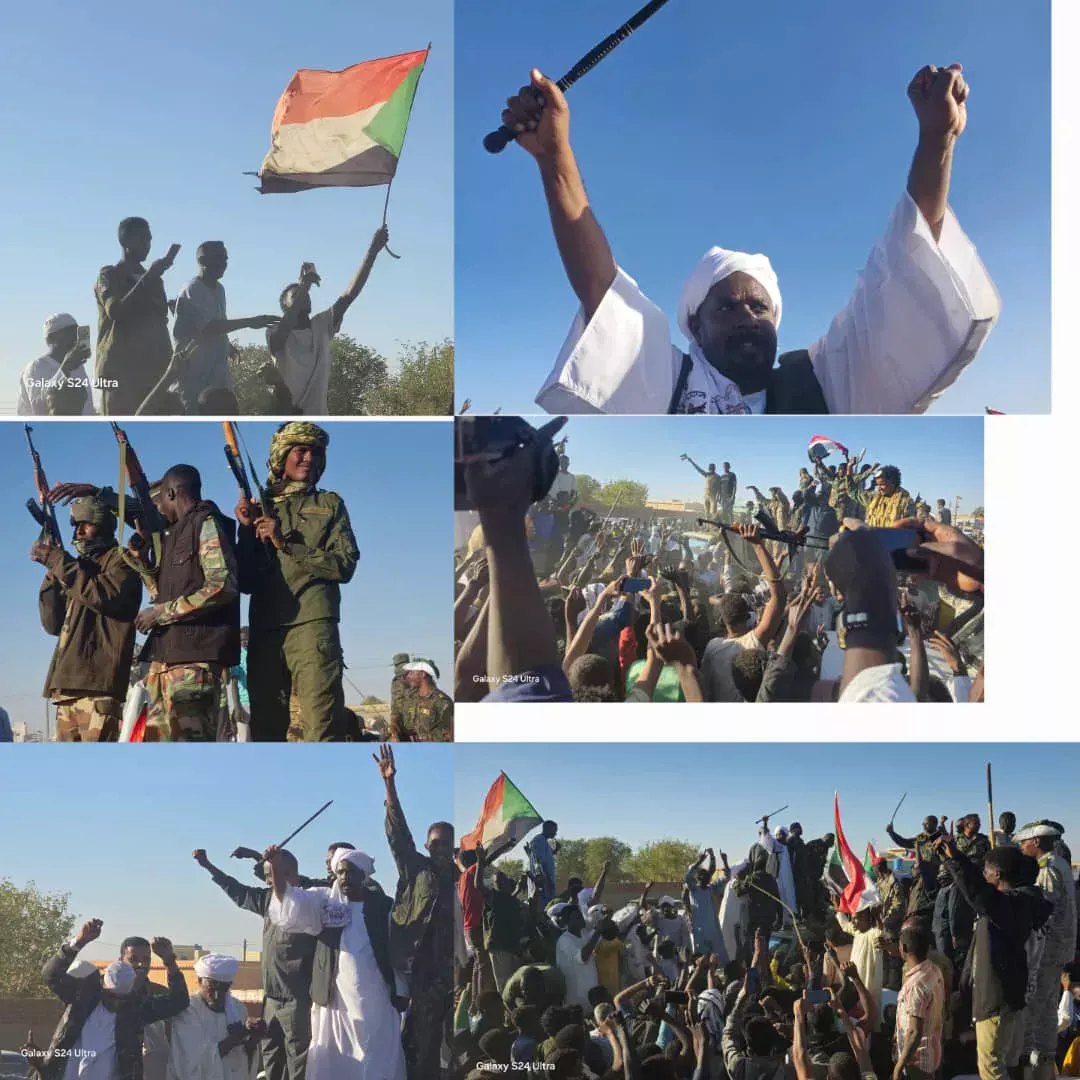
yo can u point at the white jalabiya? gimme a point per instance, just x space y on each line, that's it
358 1035
94 1054
867 954
194 1038
733 916
785 879
920 312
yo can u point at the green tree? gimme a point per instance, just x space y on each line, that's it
423 384
357 375
662 860
978 511
589 488
601 849
512 868
371 699
633 493
570 861
35 924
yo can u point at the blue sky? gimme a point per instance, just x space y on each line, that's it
938 457
710 795
157 111
788 133
394 477
127 858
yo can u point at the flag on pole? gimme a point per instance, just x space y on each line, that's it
506 818
859 892
993 412
869 859
342 128
821 447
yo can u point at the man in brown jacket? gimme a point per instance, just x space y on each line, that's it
88 601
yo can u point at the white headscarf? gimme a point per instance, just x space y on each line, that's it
716 265
119 977
357 858
706 389
218 967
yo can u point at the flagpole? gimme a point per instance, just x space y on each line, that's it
390 182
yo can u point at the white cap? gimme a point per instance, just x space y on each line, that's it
61 321
119 977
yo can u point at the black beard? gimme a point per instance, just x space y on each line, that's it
749 370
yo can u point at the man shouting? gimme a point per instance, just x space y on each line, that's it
920 312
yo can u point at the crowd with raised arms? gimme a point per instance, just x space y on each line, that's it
953 953
849 589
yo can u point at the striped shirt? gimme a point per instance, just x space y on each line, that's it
923 995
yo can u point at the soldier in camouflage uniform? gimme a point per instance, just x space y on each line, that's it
890 503
428 714
293 561
401 695
421 927
194 623
89 602
930 873
893 894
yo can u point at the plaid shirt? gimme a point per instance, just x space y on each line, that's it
922 994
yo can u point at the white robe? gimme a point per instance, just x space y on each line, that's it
920 312
194 1038
785 879
732 916
358 1035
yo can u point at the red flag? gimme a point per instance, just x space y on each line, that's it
849 898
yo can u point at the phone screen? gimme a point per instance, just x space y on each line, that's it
635 584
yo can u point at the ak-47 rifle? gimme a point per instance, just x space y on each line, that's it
131 469
42 511
768 530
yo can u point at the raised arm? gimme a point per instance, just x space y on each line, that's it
773 615
939 97
359 279
541 117
696 465
579 646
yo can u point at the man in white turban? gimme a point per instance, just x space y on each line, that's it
212 1039
100 1035
776 845
1038 839
355 1022
921 309
57 383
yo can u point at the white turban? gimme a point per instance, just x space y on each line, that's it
357 858
217 967
62 321
1037 829
668 901
780 832
717 264
595 916
421 665
81 969
119 977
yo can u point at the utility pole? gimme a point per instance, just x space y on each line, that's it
243 951
956 510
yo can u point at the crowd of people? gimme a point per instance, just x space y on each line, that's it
141 368
954 954
356 978
198 675
850 589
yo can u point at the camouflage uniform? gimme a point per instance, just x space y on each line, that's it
401 695
294 642
88 719
186 700
429 719
89 603
883 511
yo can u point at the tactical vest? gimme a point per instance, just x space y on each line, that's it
328 948
212 637
792 387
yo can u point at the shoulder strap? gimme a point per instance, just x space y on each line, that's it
794 387
680 383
